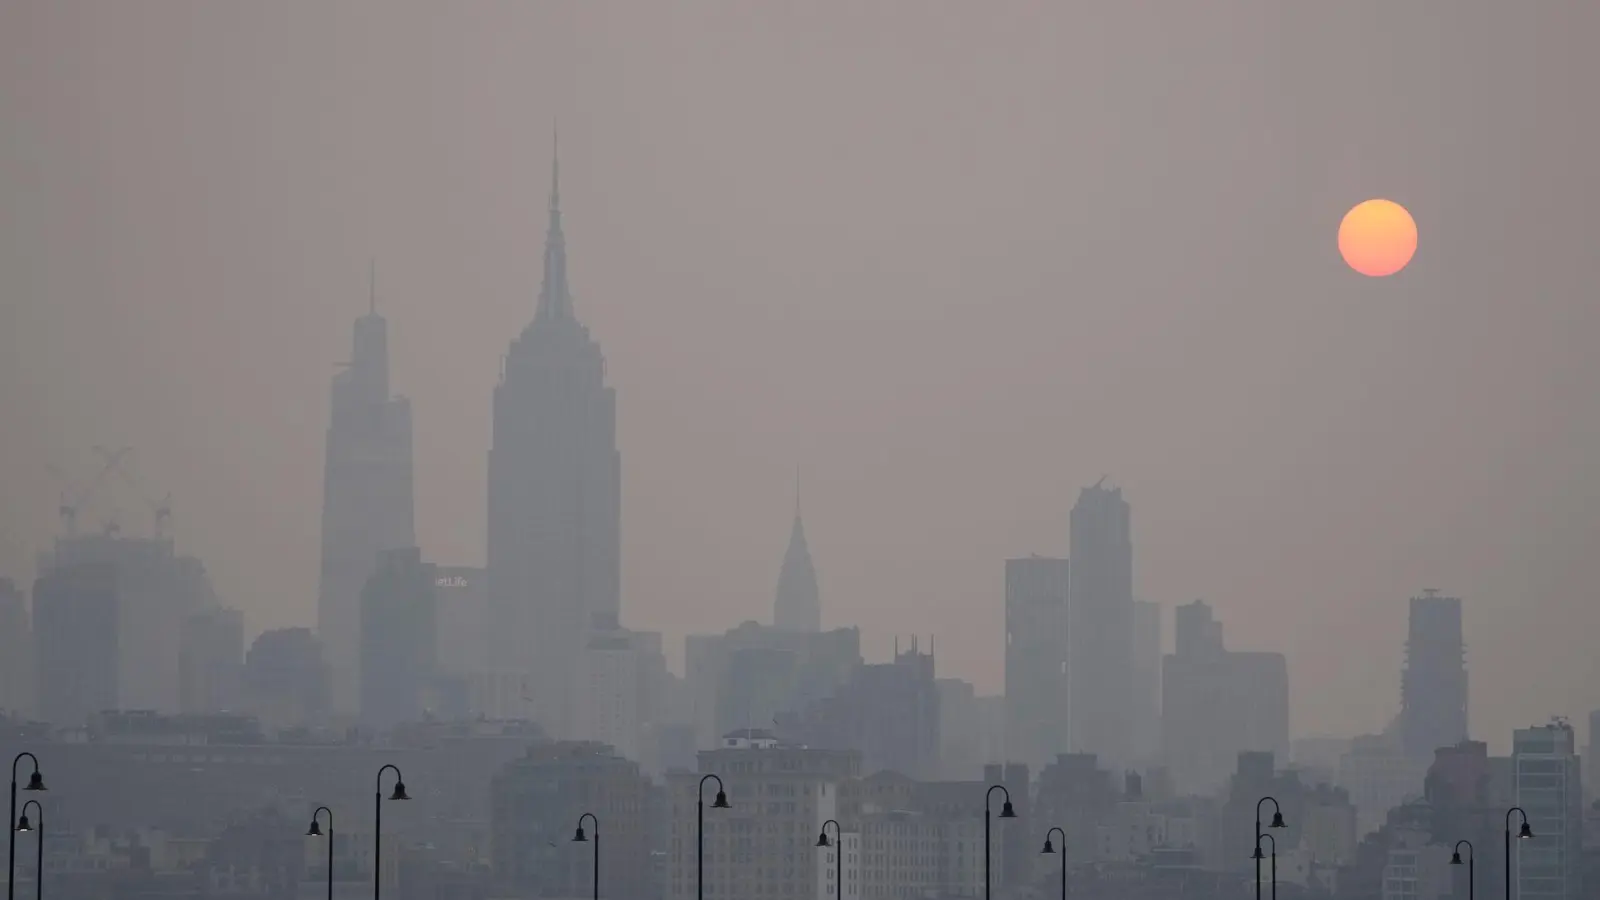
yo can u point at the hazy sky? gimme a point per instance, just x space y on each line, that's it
954 260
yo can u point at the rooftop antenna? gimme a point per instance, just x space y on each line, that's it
372 287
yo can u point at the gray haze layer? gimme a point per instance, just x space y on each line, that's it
954 260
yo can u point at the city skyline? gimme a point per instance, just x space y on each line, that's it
1304 563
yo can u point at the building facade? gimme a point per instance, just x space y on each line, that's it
1549 789
1433 685
211 661
1217 703
1100 627
1036 658
399 639
77 645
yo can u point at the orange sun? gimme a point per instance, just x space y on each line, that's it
1377 237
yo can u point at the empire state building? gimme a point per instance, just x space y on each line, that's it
555 503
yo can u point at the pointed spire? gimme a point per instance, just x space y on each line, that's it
797 606
555 300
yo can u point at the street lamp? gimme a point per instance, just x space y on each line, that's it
35 783
1523 834
838 855
1006 812
1051 848
1258 856
580 838
1455 860
316 831
377 820
1277 822
38 829
700 830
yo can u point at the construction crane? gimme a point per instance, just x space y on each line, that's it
74 496
160 510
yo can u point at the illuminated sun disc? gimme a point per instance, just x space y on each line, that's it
1377 237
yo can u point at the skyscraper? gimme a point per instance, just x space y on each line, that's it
555 501
796 606
366 496
1100 627
76 642
1433 686
1036 655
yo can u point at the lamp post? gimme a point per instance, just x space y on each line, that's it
1006 812
1523 834
377 821
700 830
1051 848
580 838
838 855
38 832
1277 822
35 783
1455 860
1258 856
316 831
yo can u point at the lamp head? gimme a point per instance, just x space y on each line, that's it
822 840
399 792
23 824
1277 821
315 830
1048 847
1455 858
1525 833
580 837
1007 811
1258 854
721 802
35 782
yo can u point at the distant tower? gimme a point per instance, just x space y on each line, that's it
555 496
797 606
1100 670
1433 686
366 496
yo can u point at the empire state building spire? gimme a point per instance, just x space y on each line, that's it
555 298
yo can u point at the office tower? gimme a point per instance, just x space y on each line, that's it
536 802
16 651
1146 710
157 588
366 496
399 637
463 620
621 689
780 794
1036 659
1217 703
286 681
796 606
748 675
1549 789
1100 627
211 661
888 711
1433 686
555 503
76 652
